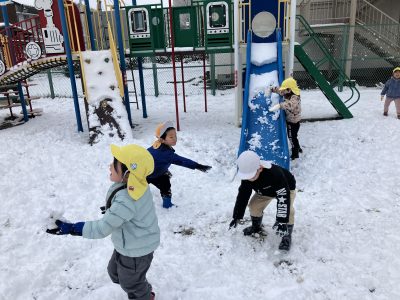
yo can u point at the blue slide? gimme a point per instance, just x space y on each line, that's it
263 131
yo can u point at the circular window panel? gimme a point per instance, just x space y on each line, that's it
263 24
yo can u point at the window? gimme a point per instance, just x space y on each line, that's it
217 16
184 21
139 23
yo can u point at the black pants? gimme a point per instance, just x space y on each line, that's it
292 131
130 274
163 183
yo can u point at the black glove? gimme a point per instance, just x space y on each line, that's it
103 209
67 228
203 168
281 229
233 223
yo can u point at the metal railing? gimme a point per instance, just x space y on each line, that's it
338 11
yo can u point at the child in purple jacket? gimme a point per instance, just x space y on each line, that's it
164 155
392 92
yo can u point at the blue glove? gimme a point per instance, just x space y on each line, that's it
67 228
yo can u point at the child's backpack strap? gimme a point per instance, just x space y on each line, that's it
108 204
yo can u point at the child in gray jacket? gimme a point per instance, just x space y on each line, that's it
392 92
129 217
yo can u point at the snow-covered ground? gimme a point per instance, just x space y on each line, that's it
345 242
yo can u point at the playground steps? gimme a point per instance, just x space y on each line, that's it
29 68
321 81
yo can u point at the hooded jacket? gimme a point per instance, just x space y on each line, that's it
392 88
133 225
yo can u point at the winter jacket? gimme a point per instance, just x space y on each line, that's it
392 88
292 107
133 225
272 182
164 156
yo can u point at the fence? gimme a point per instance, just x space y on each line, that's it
372 64
373 59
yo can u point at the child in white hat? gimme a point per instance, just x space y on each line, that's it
129 217
164 155
392 92
269 181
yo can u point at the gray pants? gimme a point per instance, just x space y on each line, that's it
396 103
130 274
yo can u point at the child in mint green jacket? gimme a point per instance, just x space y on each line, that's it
129 217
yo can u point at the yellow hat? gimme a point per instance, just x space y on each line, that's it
140 164
291 84
160 130
396 69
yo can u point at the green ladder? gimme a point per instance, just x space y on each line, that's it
326 86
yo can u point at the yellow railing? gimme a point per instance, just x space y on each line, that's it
6 51
117 70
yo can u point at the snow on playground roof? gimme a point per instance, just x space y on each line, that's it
263 53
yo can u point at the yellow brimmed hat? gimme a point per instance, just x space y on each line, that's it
140 164
291 84
160 130
396 69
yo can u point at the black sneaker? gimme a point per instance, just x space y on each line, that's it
385 114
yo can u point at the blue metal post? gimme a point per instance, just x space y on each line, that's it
70 63
19 86
141 80
122 59
90 24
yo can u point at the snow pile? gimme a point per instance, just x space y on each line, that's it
263 53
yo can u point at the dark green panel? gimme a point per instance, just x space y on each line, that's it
185 27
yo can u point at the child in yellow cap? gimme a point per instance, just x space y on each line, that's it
164 155
392 92
129 217
292 106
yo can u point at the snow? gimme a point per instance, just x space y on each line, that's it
345 241
263 53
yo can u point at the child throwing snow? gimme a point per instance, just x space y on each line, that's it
164 155
130 218
292 106
392 92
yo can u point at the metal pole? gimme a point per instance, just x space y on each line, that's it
292 24
141 80
349 56
90 25
50 84
19 86
173 63
70 63
212 72
122 59
238 64
183 84
205 81
155 77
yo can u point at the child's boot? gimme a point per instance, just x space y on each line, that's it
385 113
255 226
398 117
287 239
295 153
152 295
167 202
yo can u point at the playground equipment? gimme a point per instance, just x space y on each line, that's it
262 131
37 44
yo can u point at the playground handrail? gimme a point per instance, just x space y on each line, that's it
342 77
